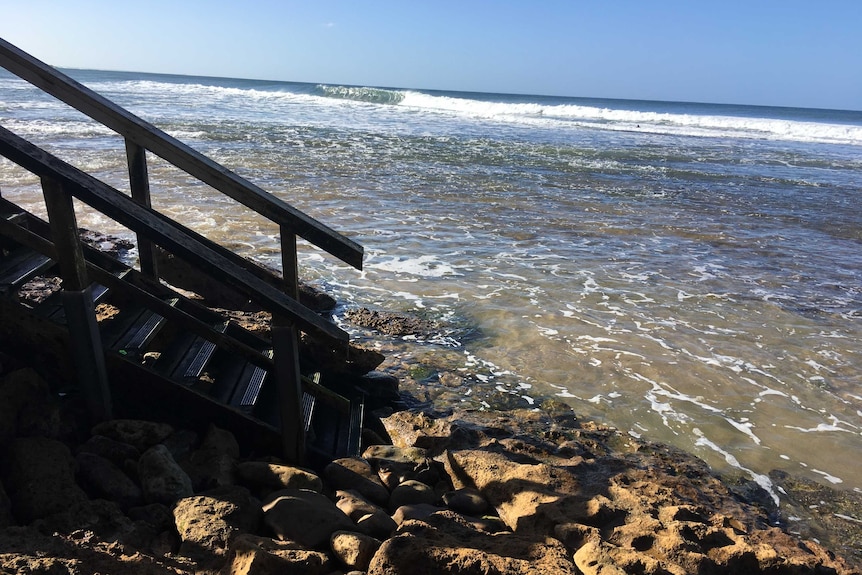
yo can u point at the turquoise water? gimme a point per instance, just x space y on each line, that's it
689 273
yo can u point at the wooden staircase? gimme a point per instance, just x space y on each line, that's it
150 349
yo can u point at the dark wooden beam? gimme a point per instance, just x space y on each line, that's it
164 232
177 153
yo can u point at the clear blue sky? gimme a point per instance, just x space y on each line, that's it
771 52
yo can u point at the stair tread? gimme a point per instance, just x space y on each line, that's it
19 266
133 328
188 355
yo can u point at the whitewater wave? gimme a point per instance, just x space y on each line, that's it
361 94
640 120
708 121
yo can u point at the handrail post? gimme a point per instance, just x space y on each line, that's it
285 343
139 182
86 345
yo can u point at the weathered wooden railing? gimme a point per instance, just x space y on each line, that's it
61 182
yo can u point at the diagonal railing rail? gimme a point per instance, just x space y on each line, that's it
61 182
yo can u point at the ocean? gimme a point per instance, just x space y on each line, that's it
687 273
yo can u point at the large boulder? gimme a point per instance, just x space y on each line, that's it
26 406
208 522
115 451
105 480
357 474
306 517
255 555
213 463
162 479
353 550
267 477
446 543
39 475
141 434
530 496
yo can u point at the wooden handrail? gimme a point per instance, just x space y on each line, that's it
162 231
98 274
146 135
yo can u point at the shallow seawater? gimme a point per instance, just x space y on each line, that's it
686 273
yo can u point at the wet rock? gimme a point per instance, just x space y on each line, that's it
162 479
39 475
358 361
208 522
114 451
356 473
105 480
353 550
255 555
307 517
141 434
389 323
268 477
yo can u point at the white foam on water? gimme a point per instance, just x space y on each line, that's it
759 478
830 478
426 266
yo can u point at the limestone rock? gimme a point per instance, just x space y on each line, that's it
105 480
141 434
213 463
398 464
530 496
415 511
411 492
307 517
162 479
208 522
254 555
115 451
268 477
26 406
353 550
39 475
445 543
357 474
466 500
370 519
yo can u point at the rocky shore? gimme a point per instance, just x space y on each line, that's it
536 491
437 490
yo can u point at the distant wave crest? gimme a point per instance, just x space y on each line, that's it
362 94
682 124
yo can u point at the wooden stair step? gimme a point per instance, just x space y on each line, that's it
188 356
249 386
20 266
132 329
